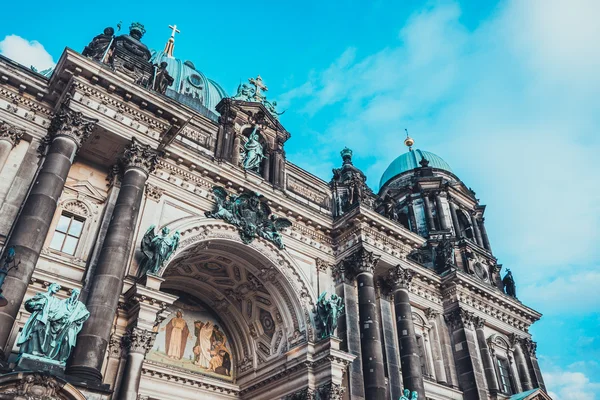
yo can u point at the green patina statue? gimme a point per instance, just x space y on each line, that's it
157 249
328 313
254 152
51 331
407 393
250 215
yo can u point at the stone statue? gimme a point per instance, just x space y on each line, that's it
254 152
328 312
157 249
99 45
244 92
51 330
389 208
509 284
272 108
444 254
67 327
161 80
250 214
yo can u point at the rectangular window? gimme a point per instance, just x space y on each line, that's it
421 348
504 376
67 234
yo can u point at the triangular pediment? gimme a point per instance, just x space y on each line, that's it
86 188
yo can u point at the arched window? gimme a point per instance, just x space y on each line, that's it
465 225
502 354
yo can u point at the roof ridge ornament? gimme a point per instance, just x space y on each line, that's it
170 46
409 142
253 92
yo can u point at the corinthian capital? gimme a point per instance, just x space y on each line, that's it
138 155
399 278
10 133
362 261
71 124
460 318
138 340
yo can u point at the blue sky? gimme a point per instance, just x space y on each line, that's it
506 92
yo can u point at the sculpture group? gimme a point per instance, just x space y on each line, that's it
407 395
51 331
329 311
251 215
157 249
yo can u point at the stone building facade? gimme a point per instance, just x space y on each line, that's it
120 138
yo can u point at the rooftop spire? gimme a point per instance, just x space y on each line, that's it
408 141
171 42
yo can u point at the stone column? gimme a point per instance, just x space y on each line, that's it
235 156
411 216
521 363
484 236
486 356
514 372
476 231
348 329
266 167
68 131
137 162
412 375
137 342
440 212
466 357
9 138
529 348
436 349
363 263
428 213
391 347
455 223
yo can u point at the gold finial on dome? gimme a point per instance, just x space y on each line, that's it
408 141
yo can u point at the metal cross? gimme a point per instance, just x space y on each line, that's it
175 30
259 85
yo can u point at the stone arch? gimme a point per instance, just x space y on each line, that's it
281 315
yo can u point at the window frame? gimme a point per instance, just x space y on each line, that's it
72 217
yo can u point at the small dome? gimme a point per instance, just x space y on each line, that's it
409 161
190 82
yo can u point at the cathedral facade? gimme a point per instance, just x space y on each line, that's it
157 244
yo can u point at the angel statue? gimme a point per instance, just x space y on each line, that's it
254 152
224 207
157 249
328 312
271 230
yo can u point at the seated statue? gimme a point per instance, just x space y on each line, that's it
99 44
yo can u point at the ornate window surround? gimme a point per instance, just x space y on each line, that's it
500 348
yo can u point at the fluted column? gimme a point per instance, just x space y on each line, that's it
137 342
529 349
486 357
455 223
68 131
428 213
484 235
438 361
521 363
440 212
9 138
476 231
468 364
137 162
363 263
412 375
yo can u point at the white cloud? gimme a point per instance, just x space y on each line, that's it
26 52
566 385
512 106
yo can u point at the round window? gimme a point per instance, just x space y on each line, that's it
195 80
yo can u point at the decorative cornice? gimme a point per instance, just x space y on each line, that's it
460 318
10 133
138 340
71 124
141 156
399 278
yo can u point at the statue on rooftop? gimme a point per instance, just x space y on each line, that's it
509 284
157 249
162 79
99 45
328 313
389 207
244 92
254 152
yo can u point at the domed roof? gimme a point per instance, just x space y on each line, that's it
189 81
409 161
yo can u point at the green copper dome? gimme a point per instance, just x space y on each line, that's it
409 161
